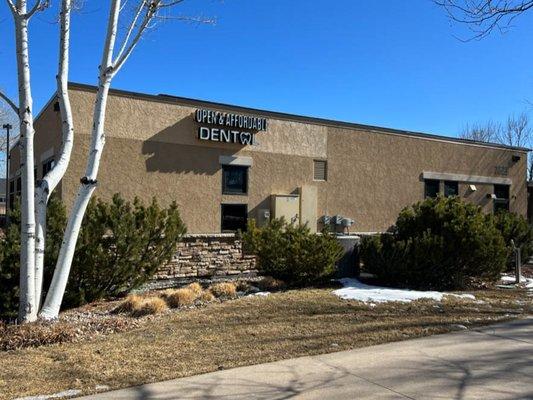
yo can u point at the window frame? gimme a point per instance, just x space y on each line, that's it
426 181
447 185
45 162
222 205
230 192
499 201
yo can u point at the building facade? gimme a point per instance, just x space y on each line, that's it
224 164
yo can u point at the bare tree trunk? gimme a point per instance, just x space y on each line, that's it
47 185
109 67
55 294
27 305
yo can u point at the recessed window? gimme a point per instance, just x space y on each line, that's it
234 217
48 165
451 188
501 202
431 188
320 170
14 191
234 179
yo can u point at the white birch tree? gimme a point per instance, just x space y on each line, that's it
112 61
21 16
46 186
34 199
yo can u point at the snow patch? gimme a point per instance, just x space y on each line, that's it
507 278
356 290
260 294
66 393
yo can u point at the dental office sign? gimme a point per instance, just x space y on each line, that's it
223 127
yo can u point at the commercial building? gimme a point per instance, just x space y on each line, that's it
224 164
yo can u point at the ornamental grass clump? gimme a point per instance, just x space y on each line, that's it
206 297
224 290
132 302
150 306
196 288
183 297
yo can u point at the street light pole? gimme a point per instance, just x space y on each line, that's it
7 127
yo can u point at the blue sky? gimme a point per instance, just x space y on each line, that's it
389 63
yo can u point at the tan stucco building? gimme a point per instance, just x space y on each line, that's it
224 163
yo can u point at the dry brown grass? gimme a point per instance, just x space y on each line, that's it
270 284
196 288
149 306
226 290
242 286
131 303
36 334
206 297
246 331
180 298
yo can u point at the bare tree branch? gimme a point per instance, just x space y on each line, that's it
9 102
40 5
516 132
12 7
151 9
484 16
131 28
488 132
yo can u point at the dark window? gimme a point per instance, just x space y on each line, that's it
501 202
451 188
15 186
234 179
234 217
432 188
48 165
320 172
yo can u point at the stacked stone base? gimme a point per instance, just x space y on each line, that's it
206 258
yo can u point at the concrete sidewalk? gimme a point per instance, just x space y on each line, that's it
489 363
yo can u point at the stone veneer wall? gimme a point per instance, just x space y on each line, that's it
206 257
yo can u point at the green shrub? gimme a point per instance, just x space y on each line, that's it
515 227
440 243
291 252
121 245
10 253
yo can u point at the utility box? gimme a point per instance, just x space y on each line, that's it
286 206
264 217
348 265
308 207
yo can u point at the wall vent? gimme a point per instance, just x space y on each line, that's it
320 170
